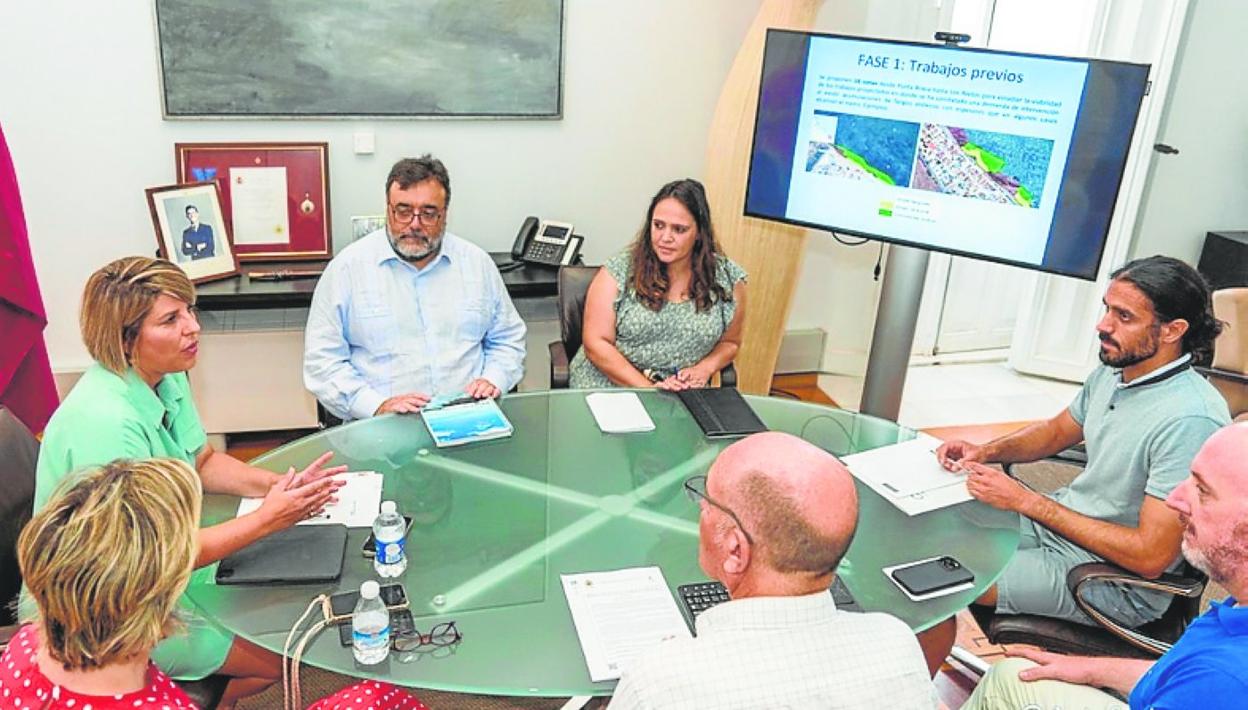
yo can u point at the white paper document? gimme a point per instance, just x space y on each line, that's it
258 206
357 505
619 412
909 476
620 615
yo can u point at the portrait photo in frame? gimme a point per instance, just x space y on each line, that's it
191 230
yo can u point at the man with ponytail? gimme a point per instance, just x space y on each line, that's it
1143 416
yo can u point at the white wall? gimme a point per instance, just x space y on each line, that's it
80 108
1202 188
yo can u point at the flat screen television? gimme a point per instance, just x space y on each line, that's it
1014 158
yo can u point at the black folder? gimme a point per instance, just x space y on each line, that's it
303 553
721 412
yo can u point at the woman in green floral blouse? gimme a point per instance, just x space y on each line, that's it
668 311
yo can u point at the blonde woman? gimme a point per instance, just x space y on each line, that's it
104 561
138 323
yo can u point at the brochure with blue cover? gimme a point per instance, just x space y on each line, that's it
458 424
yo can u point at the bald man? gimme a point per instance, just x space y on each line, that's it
777 515
1208 666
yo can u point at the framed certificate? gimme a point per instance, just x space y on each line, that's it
275 196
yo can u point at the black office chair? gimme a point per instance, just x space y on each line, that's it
1110 637
573 286
19 452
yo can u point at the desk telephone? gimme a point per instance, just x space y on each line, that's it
546 242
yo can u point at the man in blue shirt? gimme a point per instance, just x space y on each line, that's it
411 311
197 241
1208 666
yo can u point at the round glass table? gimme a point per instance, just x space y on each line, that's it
497 522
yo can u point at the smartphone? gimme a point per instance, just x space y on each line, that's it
341 605
370 545
932 577
401 623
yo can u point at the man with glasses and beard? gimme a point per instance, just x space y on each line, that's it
1208 665
777 515
1143 416
411 311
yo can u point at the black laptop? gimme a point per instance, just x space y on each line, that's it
303 553
721 412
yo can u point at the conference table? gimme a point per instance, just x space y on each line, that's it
497 522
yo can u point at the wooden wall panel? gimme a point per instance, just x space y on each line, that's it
770 252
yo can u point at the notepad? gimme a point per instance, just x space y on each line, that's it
909 476
619 412
459 424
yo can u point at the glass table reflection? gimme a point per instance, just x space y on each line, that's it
497 522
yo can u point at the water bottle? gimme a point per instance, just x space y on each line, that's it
370 626
389 531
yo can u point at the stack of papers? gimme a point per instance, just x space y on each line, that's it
621 615
909 476
457 424
619 412
356 507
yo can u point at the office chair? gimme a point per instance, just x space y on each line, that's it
1228 372
1109 637
573 287
19 452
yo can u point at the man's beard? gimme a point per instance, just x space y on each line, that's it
421 247
1224 560
1127 358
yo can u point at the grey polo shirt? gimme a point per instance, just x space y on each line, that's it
1141 438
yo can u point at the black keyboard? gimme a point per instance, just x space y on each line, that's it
701 596
698 597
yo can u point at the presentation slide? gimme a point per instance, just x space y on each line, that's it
1010 157
953 150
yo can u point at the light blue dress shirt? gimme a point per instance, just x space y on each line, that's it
380 327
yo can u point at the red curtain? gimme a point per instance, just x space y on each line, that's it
26 384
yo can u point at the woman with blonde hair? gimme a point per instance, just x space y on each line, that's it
104 561
138 323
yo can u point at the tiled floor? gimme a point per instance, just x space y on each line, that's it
954 395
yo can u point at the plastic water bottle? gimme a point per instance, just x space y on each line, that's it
389 531
370 626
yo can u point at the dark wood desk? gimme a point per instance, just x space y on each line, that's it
244 293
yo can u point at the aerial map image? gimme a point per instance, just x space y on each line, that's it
983 165
862 148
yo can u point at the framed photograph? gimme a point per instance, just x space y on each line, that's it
364 226
275 196
191 230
